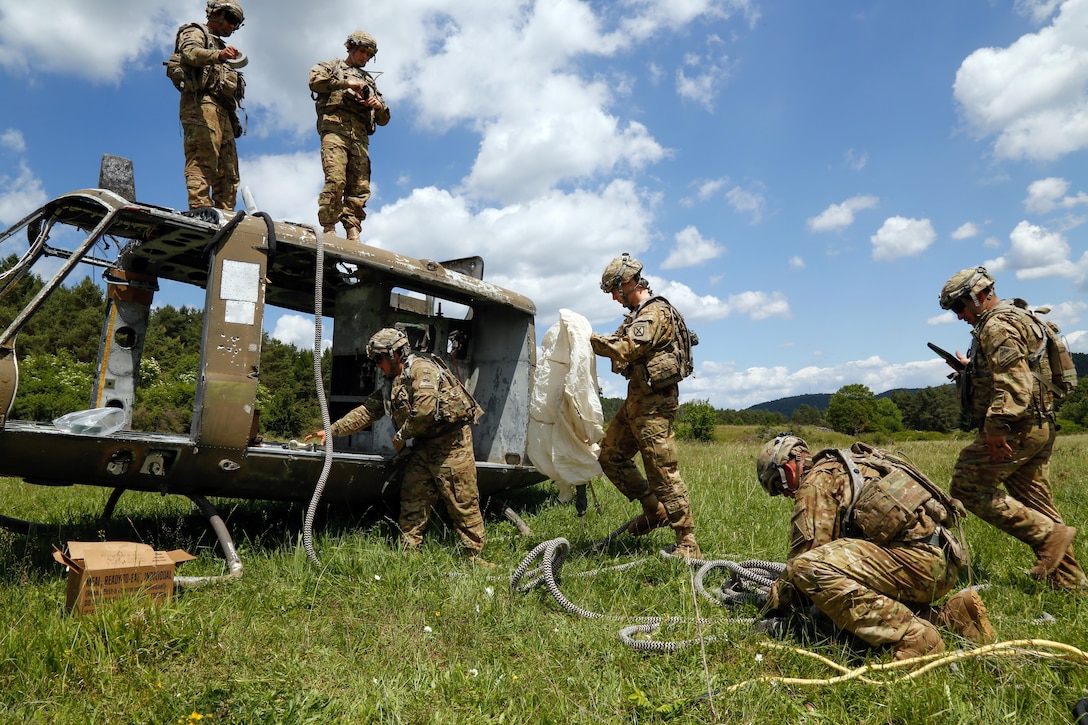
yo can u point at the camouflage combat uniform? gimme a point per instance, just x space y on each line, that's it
441 464
644 423
209 120
864 587
1008 399
345 126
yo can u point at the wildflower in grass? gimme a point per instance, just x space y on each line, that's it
489 591
377 577
474 672
759 658
427 629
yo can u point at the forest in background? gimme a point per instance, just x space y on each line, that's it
58 348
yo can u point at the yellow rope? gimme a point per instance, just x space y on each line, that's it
1011 648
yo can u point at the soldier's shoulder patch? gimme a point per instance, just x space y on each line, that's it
640 330
426 380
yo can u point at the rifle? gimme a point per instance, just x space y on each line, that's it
953 361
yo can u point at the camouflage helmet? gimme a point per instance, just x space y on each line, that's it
967 282
619 270
386 341
772 459
231 6
362 39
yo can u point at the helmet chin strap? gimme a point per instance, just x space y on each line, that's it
625 297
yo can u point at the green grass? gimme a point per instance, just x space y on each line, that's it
348 641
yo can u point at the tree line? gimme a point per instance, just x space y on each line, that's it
58 349
855 410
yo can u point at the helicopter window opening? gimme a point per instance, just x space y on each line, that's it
114 403
125 337
427 305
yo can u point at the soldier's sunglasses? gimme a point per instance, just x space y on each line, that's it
232 18
957 306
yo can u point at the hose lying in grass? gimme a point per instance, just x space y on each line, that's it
751 581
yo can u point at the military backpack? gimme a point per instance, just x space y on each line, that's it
1060 374
670 366
886 508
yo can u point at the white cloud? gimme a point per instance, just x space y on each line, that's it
856 160
76 30
295 200
695 307
704 190
691 250
19 195
1045 195
966 231
727 387
520 241
13 140
1033 95
703 85
1038 10
1036 252
902 237
748 201
1066 315
840 216
1077 341
299 331
797 262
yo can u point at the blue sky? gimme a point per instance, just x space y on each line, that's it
799 177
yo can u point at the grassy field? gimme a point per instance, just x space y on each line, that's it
376 636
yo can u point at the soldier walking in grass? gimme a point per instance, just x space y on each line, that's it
870 547
652 349
432 409
1003 475
349 108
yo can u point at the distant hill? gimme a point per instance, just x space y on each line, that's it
819 401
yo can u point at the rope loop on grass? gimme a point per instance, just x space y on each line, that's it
750 581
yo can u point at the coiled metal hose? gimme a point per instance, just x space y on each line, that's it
751 581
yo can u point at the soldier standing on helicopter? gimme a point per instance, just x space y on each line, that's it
211 92
349 108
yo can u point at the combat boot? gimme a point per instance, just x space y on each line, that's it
654 516
965 614
686 546
1051 551
920 639
352 233
329 229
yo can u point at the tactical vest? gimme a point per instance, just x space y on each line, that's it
673 362
1047 359
895 506
217 79
455 403
346 100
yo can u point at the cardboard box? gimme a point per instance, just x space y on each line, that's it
100 571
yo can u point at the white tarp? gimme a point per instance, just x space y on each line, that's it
565 418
